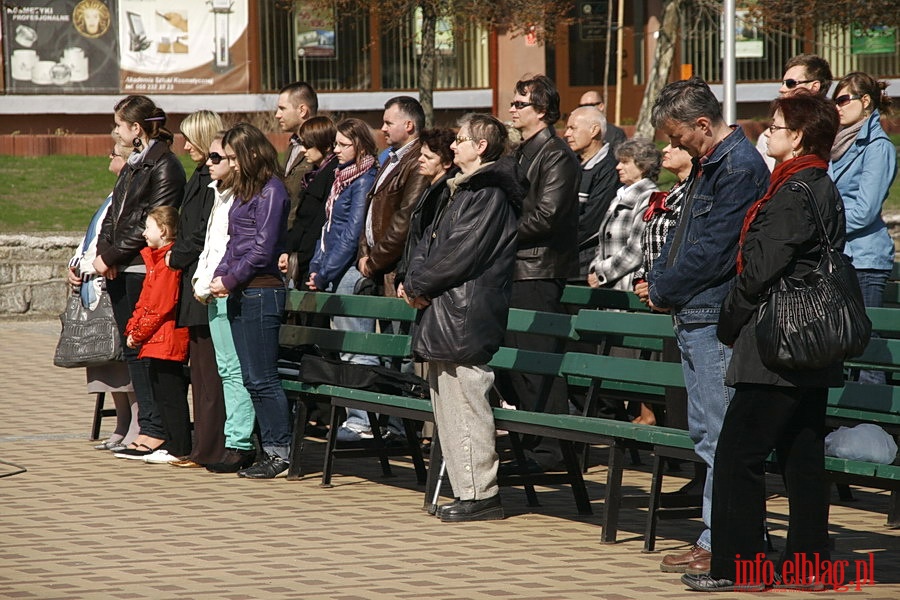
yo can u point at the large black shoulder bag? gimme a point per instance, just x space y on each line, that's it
817 320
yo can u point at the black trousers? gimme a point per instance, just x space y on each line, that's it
170 393
208 398
761 418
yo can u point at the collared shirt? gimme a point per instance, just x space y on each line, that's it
393 159
296 150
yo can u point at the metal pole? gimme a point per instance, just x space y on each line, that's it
620 36
729 77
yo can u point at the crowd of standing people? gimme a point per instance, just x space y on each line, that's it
464 225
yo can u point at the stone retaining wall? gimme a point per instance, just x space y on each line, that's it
33 274
33 271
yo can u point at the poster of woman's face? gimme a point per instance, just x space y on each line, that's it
91 18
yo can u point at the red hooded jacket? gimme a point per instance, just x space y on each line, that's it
153 323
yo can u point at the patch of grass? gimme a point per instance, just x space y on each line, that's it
54 193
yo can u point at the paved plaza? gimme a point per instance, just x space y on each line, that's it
83 524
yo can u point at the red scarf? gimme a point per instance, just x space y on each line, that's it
780 175
344 177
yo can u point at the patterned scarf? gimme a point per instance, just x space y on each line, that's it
780 175
845 138
343 177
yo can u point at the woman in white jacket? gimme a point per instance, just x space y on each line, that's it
239 413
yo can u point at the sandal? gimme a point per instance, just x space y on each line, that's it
139 451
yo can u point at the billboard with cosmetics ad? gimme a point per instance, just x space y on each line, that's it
125 46
68 46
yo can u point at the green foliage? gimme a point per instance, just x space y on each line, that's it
54 193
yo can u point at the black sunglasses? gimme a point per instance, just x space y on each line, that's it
845 99
792 83
215 158
519 105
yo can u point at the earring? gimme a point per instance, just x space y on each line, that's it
795 153
137 143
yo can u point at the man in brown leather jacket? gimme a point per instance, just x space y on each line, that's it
398 185
547 245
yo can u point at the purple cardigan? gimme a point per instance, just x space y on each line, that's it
257 230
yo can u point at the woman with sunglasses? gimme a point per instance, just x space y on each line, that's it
249 277
239 413
151 177
317 136
863 166
198 129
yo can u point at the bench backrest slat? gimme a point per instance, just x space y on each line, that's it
355 342
623 369
375 307
600 298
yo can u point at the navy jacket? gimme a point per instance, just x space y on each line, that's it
694 278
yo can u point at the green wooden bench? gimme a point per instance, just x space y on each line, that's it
391 346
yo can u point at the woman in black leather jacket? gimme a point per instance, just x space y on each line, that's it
782 410
152 177
460 276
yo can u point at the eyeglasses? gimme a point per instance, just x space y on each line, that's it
461 139
215 158
846 99
519 105
774 128
592 104
792 83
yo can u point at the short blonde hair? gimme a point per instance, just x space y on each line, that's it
200 128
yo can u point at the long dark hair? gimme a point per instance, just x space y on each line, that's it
256 157
149 117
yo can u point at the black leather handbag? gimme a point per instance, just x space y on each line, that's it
817 320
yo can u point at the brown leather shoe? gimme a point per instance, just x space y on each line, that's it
699 566
678 563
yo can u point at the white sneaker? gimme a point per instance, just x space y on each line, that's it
160 457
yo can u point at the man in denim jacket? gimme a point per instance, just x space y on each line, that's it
697 267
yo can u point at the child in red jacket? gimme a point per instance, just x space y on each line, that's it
152 329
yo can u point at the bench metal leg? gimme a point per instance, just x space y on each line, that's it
844 492
893 514
330 444
297 438
655 491
380 447
415 450
613 493
582 501
98 415
516 443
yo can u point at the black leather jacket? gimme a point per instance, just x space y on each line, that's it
157 180
548 229
429 205
464 264
189 242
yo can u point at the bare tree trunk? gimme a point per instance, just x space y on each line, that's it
426 64
662 64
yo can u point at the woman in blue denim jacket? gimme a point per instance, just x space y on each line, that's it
249 277
345 208
863 166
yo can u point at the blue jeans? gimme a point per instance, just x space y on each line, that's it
356 419
872 283
704 360
255 316
239 413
